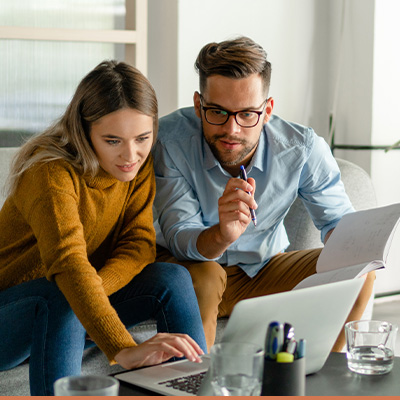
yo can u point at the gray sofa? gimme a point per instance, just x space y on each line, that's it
302 235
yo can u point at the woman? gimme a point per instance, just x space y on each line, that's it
77 243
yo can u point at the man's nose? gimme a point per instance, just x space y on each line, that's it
231 125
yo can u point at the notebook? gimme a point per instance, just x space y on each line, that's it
317 314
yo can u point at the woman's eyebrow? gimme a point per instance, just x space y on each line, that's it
112 136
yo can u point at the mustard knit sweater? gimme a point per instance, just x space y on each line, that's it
90 235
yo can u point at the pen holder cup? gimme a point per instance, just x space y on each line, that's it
284 379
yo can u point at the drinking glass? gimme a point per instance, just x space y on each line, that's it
236 369
370 346
89 385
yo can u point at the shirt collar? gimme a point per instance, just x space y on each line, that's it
259 159
209 161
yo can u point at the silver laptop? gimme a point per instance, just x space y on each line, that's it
317 314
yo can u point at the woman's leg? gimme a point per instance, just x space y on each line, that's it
209 282
164 292
37 322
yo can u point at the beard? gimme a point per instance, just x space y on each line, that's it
230 157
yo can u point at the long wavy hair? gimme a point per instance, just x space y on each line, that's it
109 87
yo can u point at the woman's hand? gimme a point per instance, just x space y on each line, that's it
158 349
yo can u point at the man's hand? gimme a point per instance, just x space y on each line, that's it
234 217
328 235
158 349
234 208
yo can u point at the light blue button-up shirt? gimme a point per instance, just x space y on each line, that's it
290 161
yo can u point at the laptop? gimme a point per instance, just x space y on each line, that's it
317 314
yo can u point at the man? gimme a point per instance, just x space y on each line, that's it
203 206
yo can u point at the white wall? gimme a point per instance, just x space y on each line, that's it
386 99
354 105
368 89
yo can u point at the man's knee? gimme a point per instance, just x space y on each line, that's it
208 277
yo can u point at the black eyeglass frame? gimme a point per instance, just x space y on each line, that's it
229 113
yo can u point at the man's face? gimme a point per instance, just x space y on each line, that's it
232 144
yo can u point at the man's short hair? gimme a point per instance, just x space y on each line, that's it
236 59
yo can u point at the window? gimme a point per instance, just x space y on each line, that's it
47 46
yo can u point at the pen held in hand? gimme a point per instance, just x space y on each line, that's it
243 176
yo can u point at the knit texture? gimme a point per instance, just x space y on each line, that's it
90 235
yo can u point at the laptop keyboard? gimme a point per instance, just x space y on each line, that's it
189 384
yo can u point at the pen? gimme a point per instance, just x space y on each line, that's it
274 340
291 346
284 357
288 333
301 349
243 176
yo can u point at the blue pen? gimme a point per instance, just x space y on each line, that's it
243 176
273 340
300 349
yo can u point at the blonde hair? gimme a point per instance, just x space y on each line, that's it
109 87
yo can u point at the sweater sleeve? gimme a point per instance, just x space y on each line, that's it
134 243
46 198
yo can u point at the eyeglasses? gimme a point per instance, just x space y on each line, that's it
219 116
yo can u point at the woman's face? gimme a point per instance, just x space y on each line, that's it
122 141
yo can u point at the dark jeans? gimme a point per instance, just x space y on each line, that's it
37 321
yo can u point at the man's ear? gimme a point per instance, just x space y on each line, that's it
197 105
268 109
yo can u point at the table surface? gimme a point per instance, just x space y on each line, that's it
334 379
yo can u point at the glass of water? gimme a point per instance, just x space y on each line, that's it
236 369
370 346
89 385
